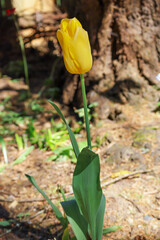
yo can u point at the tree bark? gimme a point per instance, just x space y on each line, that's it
125 40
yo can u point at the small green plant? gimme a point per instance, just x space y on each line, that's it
91 113
91 116
36 107
47 139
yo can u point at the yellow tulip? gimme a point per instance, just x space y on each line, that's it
75 45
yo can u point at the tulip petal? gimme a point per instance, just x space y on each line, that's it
64 24
60 37
78 24
72 28
64 42
80 49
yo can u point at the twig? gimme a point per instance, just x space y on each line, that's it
125 176
35 215
33 200
131 201
71 192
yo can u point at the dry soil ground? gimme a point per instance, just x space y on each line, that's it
130 176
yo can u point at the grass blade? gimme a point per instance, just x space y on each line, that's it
4 149
111 229
72 137
23 156
55 209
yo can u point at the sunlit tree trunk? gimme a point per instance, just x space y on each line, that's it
125 39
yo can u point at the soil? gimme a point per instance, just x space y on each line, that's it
129 138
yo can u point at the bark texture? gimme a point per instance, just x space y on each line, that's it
125 40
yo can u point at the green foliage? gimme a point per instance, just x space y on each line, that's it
6 223
87 189
51 138
23 156
111 229
23 215
19 141
85 212
33 135
91 111
72 137
36 107
66 234
4 149
65 153
76 219
3 7
56 211
11 117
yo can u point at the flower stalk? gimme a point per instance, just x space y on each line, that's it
23 55
85 111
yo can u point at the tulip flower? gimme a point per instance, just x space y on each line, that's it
75 45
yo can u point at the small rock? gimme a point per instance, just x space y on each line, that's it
148 218
118 153
116 114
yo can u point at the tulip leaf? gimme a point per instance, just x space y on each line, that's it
72 137
56 211
66 234
75 218
86 187
100 217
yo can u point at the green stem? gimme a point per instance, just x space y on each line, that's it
85 111
23 55
3 7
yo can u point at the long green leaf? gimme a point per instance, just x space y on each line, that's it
86 187
77 221
100 217
23 156
58 214
4 149
72 137
66 234
111 229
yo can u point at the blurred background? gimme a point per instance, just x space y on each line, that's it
125 40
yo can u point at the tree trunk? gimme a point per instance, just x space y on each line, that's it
125 40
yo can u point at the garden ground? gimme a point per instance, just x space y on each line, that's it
127 140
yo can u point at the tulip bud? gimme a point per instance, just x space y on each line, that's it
75 45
